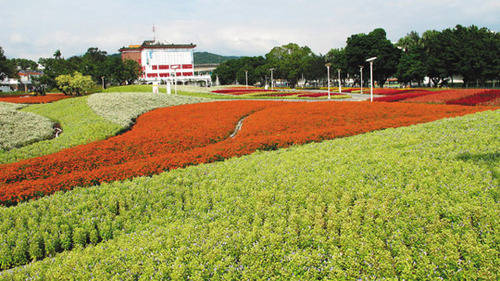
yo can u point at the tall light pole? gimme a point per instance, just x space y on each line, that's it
361 80
271 69
328 77
174 67
370 60
246 79
340 86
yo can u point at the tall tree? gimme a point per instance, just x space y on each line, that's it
360 47
411 66
7 67
290 61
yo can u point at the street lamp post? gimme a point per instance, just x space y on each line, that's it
340 86
271 69
246 79
370 60
361 80
174 67
328 77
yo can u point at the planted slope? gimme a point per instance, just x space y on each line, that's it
176 137
79 123
411 203
21 128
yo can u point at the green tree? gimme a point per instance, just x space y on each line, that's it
7 67
93 63
25 64
53 67
362 46
437 61
411 66
337 57
290 62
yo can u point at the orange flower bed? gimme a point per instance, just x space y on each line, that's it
34 99
176 137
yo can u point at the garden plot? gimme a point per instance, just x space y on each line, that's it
22 128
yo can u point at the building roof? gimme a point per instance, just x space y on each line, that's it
150 44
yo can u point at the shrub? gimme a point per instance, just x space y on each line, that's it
74 85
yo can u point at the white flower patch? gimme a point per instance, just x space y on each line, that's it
19 128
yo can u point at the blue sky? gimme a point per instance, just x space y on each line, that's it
34 29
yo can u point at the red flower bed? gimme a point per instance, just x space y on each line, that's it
446 96
350 90
493 102
34 99
478 98
176 137
400 97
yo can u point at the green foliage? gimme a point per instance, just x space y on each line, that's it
419 202
291 62
362 46
74 85
7 67
234 70
95 63
21 128
25 64
79 123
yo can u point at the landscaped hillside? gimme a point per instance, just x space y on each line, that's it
418 202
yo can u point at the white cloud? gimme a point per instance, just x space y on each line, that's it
223 26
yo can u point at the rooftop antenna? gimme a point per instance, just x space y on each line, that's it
154 33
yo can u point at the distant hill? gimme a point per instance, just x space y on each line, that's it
206 57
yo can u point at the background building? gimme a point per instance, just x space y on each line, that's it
165 62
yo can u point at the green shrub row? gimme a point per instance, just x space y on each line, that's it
419 202
21 128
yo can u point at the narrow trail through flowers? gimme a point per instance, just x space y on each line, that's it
176 137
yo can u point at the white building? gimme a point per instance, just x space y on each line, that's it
165 62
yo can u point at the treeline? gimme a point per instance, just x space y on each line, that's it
471 53
95 63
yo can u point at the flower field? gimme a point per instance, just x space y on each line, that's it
34 99
459 97
413 203
170 138
465 97
21 128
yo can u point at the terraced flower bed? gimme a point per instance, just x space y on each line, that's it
455 96
170 138
412 203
